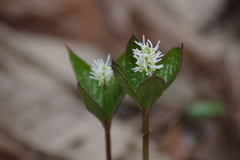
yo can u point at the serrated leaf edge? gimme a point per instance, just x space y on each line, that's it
179 66
124 78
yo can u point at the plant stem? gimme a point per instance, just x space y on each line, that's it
145 135
107 128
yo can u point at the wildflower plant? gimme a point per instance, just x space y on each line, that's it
143 72
99 90
145 76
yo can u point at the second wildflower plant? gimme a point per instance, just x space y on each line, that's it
145 75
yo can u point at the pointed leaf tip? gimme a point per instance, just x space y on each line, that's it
66 46
182 46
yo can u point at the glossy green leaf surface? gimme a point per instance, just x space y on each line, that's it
107 98
149 91
91 105
204 109
171 66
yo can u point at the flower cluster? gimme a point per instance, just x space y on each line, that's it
101 71
147 57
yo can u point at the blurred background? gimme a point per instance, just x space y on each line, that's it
42 116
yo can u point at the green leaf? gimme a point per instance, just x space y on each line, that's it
91 105
149 91
123 79
204 109
135 78
107 97
171 66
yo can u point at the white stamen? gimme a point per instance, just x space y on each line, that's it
101 72
147 57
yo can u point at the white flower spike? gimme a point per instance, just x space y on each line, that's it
101 72
147 57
